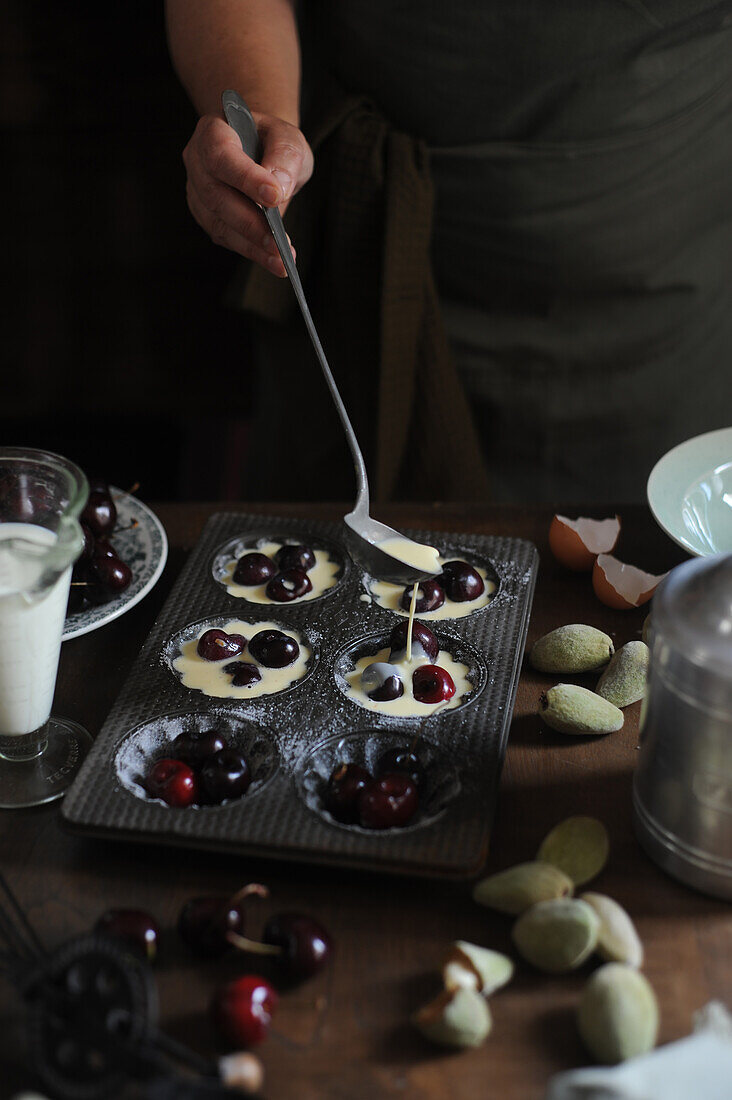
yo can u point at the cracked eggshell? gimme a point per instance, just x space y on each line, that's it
577 542
622 586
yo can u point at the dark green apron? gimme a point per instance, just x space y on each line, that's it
582 244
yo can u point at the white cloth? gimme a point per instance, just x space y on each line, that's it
696 1068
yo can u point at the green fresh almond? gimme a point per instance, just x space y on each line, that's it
518 888
468 966
456 1018
624 680
618 940
572 648
647 630
557 936
577 710
578 846
618 1014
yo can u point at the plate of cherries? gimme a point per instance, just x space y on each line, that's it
124 552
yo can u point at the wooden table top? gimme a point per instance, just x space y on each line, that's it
347 1033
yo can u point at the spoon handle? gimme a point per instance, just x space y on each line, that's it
240 119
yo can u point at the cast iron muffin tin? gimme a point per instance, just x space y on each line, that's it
295 734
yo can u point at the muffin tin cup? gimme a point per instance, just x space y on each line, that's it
234 548
449 553
173 648
440 789
153 740
345 662
280 820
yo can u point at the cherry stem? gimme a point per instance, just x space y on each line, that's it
252 888
133 488
254 946
130 526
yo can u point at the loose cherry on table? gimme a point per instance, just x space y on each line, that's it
432 684
274 648
224 775
430 596
382 682
290 584
173 782
243 673
194 747
254 568
387 802
421 636
133 926
243 1009
217 645
461 581
295 556
344 786
297 945
205 923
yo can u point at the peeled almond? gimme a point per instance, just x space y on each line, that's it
577 542
622 586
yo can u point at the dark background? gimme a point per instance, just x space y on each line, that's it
119 351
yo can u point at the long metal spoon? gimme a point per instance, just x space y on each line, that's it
363 534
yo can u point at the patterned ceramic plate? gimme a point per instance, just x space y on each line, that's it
145 549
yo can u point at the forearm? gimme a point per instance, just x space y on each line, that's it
251 46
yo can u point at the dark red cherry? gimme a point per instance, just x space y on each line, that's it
432 684
242 1010
254 568
217 645
402 760
133 926
306 945
205 923
421 636
344 786
103 549
382 682
193 747
100 512
224 775
461 581
274 648
430 596
112 573
289 585
243 673
387 802
292 556
172 781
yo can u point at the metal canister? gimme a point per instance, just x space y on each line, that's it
682 791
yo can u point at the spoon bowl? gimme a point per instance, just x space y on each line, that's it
363 534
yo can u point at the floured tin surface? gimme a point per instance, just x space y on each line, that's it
293 733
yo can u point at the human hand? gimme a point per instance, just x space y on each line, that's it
224 184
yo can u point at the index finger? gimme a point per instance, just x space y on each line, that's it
225 159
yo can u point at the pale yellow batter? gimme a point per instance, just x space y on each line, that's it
322 576
210 678
417 554
406 706
389 595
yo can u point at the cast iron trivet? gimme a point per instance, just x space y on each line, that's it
290 735
91 1013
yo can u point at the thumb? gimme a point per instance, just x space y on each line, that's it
286 155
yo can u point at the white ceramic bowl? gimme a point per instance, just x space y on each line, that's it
690 493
